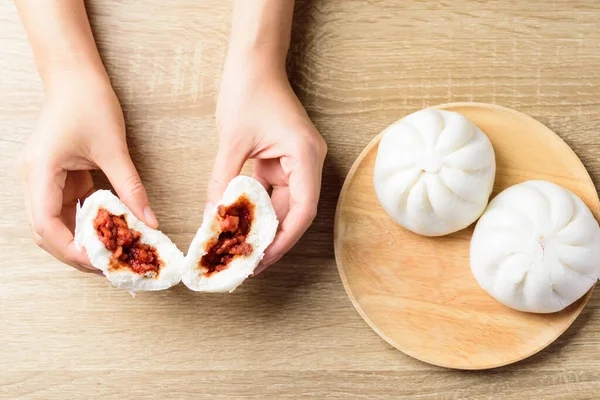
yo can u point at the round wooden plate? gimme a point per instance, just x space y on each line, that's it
417 292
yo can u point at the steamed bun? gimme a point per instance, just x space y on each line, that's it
434 172
231 270
536 248
118 271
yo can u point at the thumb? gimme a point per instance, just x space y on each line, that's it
123 176
228 164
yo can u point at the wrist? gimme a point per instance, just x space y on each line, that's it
270 55
261 31
264 63
61 38
74 70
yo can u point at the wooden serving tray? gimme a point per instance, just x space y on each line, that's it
418 293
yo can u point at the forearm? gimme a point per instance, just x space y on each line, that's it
61 37
263 28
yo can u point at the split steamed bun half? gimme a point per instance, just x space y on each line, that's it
131 255
434 172
232 239
536 248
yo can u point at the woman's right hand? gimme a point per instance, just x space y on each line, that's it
80 128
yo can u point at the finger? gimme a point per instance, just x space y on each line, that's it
28 212
87 270
269 173
263 182
281 204
297 221
280 198
78 187
123 176
228 164
304 190
23 180
46 189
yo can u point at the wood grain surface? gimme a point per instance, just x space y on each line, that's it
357 65
417 292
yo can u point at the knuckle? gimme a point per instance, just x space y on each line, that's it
223 126
313 142
134 185
37 231
214 182
311 212
321 146
38 241
37 224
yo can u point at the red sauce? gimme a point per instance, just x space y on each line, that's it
124 243
234 222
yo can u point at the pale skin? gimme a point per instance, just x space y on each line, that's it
81 126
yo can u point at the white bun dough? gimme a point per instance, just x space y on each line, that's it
100 257
536 248
260 236
434 172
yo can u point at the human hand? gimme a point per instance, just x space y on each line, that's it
80 128
259 117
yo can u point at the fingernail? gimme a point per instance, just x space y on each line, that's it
207 209
261 267
150 217
91 270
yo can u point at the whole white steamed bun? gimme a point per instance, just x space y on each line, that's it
434 172
536 248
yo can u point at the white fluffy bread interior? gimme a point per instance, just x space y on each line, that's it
87 237
434 172
262 233
536 248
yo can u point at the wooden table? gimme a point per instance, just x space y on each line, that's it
357 65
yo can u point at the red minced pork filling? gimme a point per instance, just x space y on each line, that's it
234 223
124 243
